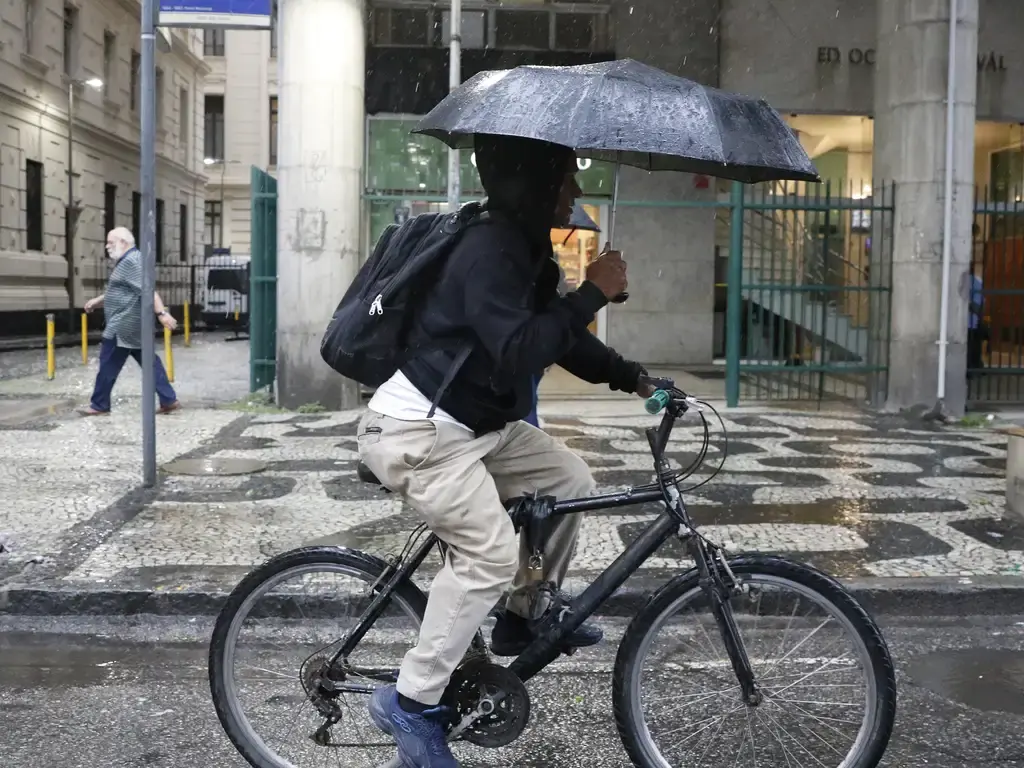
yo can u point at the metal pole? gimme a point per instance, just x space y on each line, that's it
615 207
147 246
454 79
734 307
947 213
223 211
70 223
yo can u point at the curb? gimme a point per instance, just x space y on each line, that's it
997 595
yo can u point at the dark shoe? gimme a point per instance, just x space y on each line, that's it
170 408
420 738
512 634
93 412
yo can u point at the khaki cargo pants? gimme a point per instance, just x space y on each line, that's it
457 482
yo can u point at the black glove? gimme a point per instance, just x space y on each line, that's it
625 374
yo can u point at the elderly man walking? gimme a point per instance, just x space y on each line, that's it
122 331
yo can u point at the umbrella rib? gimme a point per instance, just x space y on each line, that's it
718 123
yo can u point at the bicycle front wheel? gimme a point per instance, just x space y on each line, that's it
821 665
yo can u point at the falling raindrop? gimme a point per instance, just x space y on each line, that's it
631 10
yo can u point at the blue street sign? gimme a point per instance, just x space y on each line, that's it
225 14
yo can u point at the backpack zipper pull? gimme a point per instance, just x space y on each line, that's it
376 308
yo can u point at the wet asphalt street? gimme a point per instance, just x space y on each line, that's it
132 693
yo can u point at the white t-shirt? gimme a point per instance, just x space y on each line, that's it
399 399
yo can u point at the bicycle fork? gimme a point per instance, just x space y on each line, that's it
718 593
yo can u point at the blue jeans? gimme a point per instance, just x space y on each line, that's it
112 360
531 417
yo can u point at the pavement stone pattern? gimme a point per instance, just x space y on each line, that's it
857 495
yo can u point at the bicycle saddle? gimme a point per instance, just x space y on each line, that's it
365 474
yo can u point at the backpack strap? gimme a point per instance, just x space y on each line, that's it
449 377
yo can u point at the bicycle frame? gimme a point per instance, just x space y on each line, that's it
674 520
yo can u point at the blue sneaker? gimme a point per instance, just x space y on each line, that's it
420 738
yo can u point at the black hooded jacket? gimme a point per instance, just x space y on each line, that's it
499 288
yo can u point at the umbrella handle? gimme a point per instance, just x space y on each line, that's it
621 298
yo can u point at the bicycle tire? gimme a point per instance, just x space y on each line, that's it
626 709
353 560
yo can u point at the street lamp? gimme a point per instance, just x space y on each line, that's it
208 161
72 210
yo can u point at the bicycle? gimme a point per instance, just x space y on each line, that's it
490 702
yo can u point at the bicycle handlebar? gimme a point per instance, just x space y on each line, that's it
665 394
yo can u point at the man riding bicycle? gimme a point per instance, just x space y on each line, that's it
499 288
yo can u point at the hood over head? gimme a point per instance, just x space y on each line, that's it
522 178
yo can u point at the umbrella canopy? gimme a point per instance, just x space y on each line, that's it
625 112
580 219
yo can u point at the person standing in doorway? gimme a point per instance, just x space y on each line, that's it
122 331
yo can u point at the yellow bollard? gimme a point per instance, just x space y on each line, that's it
236 315
51 363
188 329
85 339
168 354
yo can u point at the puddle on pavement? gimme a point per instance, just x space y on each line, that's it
29 660
989 680
214 466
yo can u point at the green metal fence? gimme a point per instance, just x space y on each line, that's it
995 335
810 267
263 282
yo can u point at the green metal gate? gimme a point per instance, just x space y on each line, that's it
995 335
808 292
263 282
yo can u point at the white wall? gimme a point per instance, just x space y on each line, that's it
247 77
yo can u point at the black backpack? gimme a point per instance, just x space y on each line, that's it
367 340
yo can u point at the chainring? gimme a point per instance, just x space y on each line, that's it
476 680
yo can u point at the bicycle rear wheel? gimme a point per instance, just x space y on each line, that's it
278 630
821 665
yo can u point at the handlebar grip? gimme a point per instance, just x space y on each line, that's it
656 402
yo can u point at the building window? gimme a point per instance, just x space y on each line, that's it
474 29
273 30
184 117
136 67
273 130
576 31
109 207
33 205
401 26
109 60
183 232
30 26
136 216
214 223
522 29
70 40
213 42
214 127
159 231
158 86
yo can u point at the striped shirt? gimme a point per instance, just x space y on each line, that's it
122 302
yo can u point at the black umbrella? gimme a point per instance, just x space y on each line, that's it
580 219
625 112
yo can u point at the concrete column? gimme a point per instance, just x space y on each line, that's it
910 134
321 62
669 318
